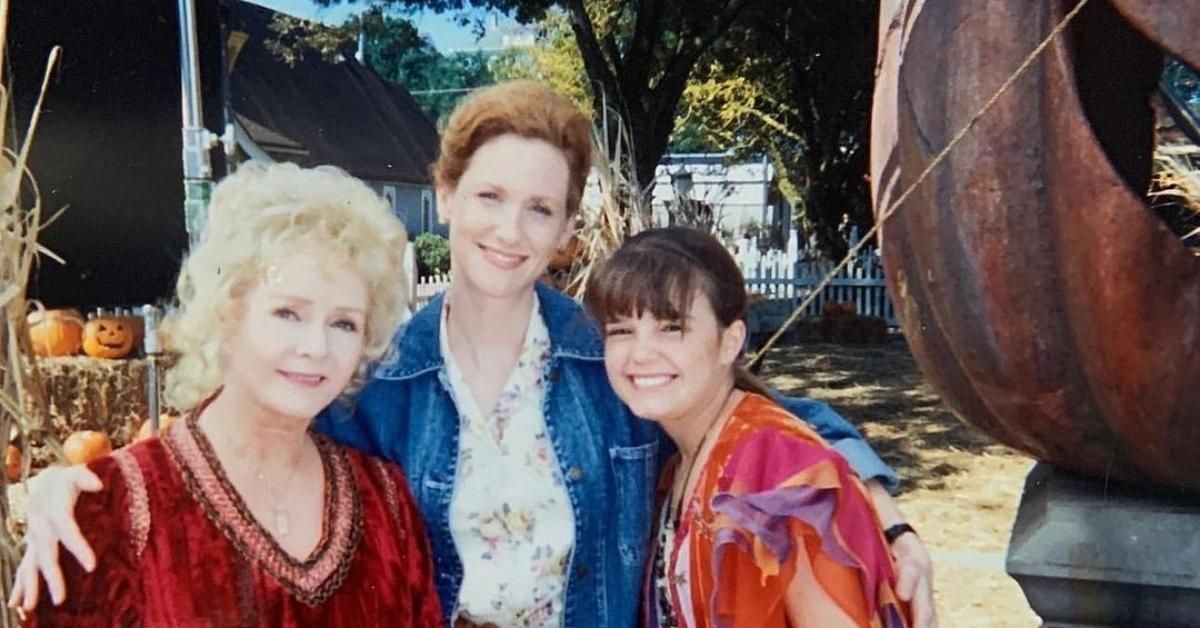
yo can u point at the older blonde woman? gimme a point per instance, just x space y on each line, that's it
291 293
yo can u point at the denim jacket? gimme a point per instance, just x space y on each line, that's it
609 458
844 437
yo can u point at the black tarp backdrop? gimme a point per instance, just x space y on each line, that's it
108 145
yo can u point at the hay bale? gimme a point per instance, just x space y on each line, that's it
95 394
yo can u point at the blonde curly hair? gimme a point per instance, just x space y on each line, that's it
257 217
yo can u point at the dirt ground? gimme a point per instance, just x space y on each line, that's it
960 487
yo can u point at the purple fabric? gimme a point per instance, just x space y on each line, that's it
765 515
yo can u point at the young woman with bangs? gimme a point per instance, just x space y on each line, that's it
761 523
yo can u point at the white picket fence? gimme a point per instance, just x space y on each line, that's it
776 275
425 288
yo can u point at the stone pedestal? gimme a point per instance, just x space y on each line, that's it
1091 554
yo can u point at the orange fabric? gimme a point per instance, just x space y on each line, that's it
761 453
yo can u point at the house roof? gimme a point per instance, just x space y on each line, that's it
316 112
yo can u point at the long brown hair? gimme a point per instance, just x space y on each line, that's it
661 271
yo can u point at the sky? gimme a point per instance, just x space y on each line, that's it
446 35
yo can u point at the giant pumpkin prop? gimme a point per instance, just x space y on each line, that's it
108 337
1043 300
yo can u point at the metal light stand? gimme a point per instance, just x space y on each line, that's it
197 140
150 319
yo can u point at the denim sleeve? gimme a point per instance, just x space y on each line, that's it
347 423
844 437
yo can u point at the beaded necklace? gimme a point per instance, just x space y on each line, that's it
669 521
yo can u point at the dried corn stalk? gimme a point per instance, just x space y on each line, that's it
621 209
22 394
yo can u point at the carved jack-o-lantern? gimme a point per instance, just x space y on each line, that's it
107 337
55 333
1040 295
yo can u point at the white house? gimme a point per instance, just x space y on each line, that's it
738 194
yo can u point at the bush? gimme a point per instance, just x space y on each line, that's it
433 254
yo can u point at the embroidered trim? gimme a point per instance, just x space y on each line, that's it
139 500
310 581
390 494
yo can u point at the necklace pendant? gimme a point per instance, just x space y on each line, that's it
281 523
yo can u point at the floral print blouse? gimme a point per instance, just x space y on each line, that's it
511 516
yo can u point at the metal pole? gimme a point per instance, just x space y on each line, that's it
150 342
197 167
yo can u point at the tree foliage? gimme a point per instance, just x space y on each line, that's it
433 254
789 80
554 61
393 46
638 56
794 82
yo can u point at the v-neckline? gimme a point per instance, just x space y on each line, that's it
310 580
534 338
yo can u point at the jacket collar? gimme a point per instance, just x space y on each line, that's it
416 348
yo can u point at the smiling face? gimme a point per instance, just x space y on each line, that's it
107 338
507 215
667 370
299 339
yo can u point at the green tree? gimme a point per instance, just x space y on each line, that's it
795 83
400 54
433 254
554 61
637 56
789 80
393 46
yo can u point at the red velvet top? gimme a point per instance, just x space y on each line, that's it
176 546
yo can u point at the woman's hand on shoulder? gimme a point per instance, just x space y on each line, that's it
51 520
914 569
914 582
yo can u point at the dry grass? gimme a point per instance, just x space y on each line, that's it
621 211
1175 192
960 488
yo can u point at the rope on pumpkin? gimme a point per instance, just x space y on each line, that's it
941 156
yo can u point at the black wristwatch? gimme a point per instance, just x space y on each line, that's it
897 531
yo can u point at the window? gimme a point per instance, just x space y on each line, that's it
426 211
389 193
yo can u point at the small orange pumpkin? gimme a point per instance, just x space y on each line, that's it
12 463
107 337
55 333
164 421
84 447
